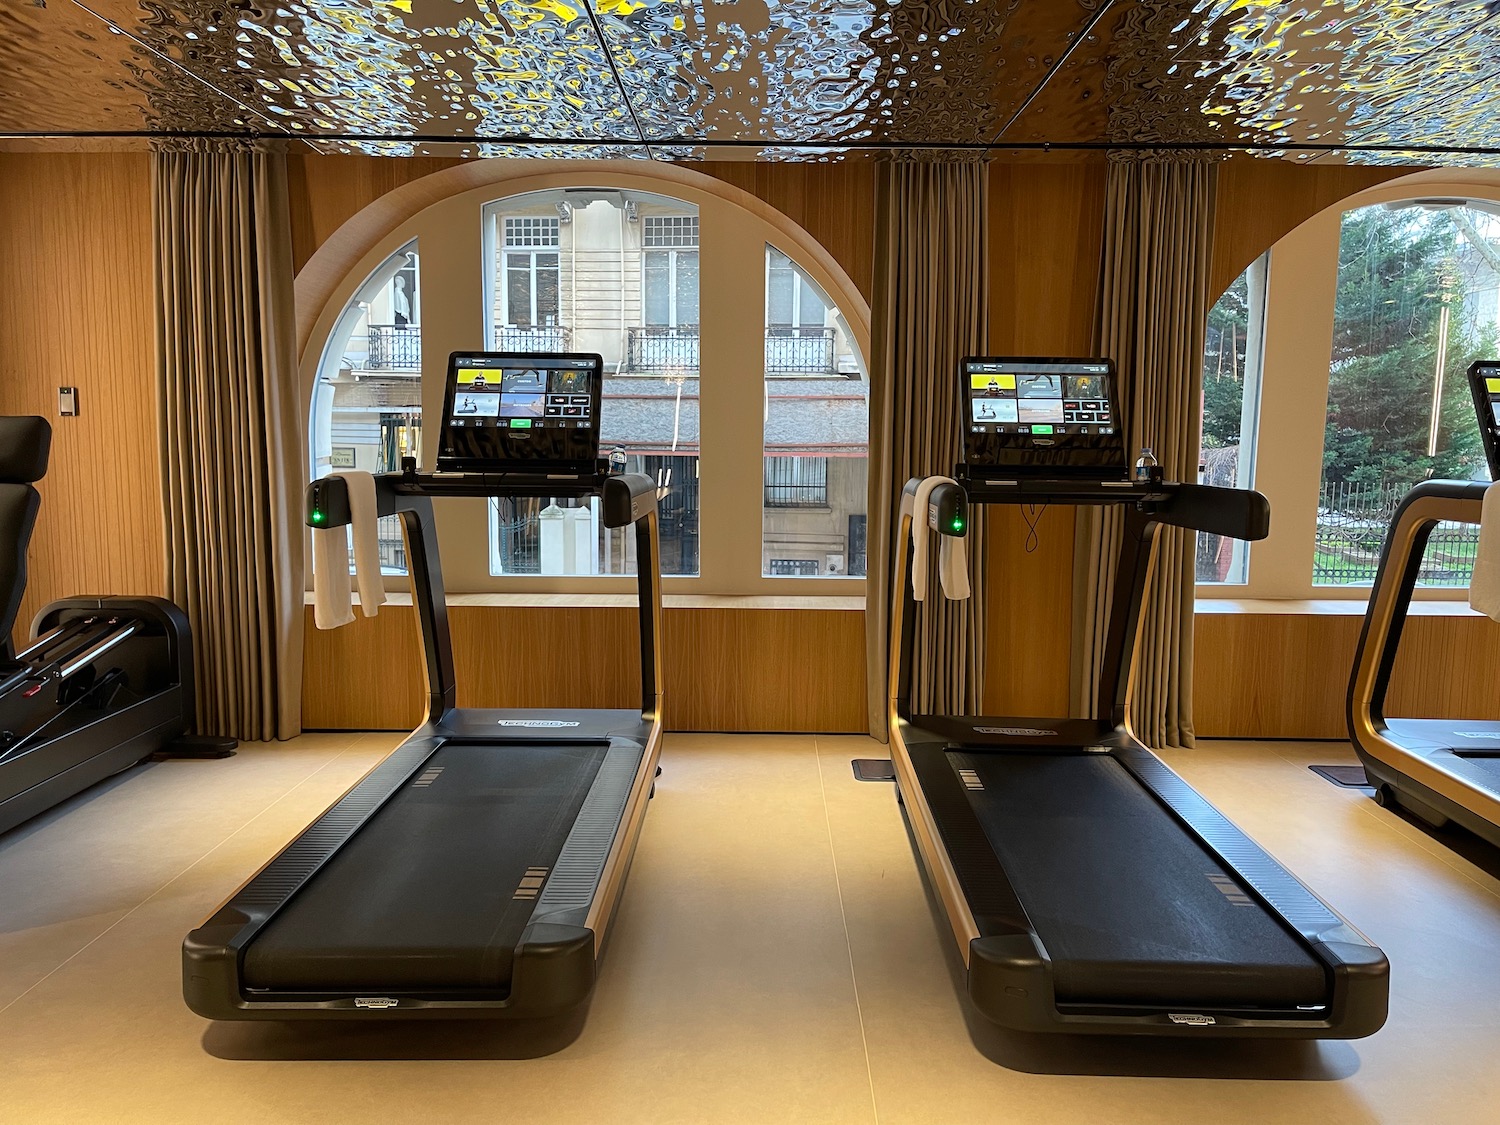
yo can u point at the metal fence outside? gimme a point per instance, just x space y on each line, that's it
799 351
1352 524
389 347
653 348
548 338
796 482
519 539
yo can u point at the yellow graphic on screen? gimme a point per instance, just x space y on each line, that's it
992 384
1493 385
471 378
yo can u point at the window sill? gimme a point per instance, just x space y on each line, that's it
613 601
1326 607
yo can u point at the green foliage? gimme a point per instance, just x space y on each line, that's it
1397 270
1224 366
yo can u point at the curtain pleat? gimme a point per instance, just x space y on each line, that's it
1153 306
931 309
230 425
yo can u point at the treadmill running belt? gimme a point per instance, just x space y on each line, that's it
424 895
1131 908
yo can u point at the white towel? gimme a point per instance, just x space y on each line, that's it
1484 587
364 522
332 589
332 600
953 557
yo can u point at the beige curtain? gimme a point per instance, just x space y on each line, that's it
930 310
231 431
1153 304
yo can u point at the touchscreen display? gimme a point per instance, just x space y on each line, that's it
1484 381
503 409
1053 414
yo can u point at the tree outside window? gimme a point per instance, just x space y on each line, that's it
1418 300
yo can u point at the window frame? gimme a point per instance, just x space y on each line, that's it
734 226
1297 345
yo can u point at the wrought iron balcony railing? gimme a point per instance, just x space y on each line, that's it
526 338
390 347
797 351
654 348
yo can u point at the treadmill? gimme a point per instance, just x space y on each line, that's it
1087 887
1437 769
474 872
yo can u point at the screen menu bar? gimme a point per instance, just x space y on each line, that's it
521 398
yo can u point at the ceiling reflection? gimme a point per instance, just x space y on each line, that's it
1366 80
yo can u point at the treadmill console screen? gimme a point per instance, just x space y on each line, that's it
1484 381
1043 416
506 411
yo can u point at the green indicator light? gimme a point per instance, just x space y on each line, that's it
317 517
1041 429
958 524
520 423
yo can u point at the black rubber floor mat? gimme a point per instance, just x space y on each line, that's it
1350 777
873 769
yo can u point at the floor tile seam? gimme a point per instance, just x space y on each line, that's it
86 946
838 886
1434 848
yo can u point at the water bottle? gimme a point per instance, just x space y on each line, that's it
1147 467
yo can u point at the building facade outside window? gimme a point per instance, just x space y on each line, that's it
661 274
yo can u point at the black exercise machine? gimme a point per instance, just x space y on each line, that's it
1087 887
474 872
104 683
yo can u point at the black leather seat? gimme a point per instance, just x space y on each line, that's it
24 445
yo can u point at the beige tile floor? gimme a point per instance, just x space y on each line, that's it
775 960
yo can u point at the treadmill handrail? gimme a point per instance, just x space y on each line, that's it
628 499
1423 508
1231 512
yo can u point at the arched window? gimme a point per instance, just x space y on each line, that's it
709 310
1360 325
367 397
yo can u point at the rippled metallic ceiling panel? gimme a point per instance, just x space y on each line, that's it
775 78
62 69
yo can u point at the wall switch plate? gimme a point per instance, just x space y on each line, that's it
67 401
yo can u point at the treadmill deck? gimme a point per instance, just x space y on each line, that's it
1131 908
434 891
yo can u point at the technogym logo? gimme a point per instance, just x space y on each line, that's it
1016 732
537 722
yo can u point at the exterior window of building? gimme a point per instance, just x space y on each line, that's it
367 399
1232 365
529 291
612 272
1418 300
817 424
668 339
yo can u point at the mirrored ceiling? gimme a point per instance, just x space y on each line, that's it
1356 80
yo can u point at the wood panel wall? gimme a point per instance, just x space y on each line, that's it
1285 675
76 309
1046 232
1046 238
726 669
